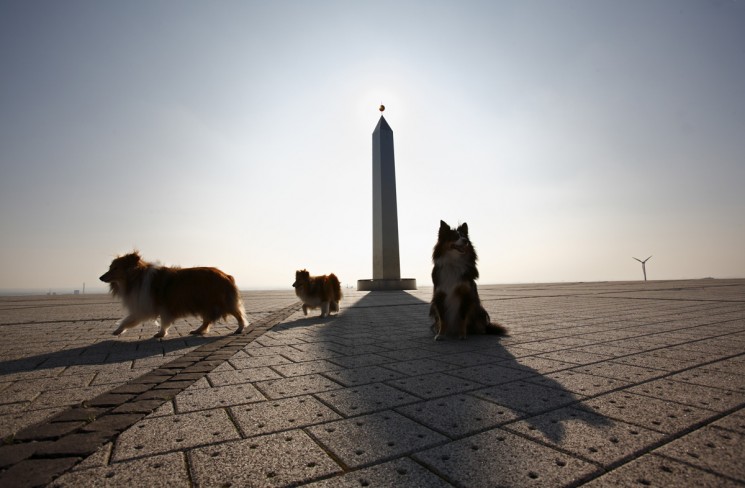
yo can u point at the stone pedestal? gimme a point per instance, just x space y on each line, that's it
386 285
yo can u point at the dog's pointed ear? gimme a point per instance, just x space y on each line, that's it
443 229
463 229
132 259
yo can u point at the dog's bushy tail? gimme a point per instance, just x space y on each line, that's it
242 310
495 329
236 307
336 295
335 287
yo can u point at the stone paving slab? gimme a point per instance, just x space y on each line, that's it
701 396
651 413
358 400
526 397
278 415
458 415
292 386
577 382
499 458
660 472
711 449
620 371
364 440
362 376
154 471
401 472
588 436
170 433
220 396
734 421
615 384
288 458
435 385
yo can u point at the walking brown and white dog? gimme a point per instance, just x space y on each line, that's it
318 291
149 291
456 307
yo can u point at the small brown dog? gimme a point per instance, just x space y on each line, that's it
318 291
149 291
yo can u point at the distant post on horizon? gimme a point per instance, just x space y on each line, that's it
386 263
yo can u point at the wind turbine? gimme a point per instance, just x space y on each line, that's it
644 267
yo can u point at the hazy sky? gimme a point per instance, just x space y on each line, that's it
569 135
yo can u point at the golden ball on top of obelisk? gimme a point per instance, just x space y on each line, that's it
382 107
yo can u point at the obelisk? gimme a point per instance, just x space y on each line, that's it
386 264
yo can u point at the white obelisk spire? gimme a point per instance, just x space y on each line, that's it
386 264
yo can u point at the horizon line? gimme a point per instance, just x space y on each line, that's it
55 291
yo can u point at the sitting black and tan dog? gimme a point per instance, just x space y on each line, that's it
456 308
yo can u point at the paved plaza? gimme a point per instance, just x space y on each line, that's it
598 384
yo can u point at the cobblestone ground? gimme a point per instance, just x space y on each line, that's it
57 351
605 384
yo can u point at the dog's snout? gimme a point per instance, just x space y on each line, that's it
294 285
104 277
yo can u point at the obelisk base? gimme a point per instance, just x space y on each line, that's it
386 285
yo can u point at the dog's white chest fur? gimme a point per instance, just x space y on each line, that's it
140 301
451 271
452 268
309 299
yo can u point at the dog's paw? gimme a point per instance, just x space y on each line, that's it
197 332
240 330
438 337
160 335
119 331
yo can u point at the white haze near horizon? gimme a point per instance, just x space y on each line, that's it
571 136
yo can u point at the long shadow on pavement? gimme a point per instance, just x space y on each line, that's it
390 331
108 351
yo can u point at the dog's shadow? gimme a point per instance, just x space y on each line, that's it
105 352
507 379
305 322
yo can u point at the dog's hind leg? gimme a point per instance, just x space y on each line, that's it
462 322
203 329
165 323
127 323
325 309
334 307
242 322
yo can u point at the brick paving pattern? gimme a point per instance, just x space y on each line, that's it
604 384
